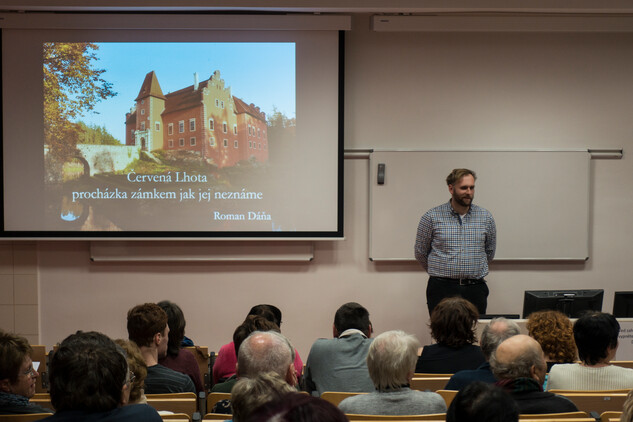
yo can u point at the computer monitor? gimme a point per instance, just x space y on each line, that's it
570 302
623 305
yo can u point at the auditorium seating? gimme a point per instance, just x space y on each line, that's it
174 402
201 353
29 417
176 417
565 415
429 383
596 401
335 397
213 398
447 395
39 355
409 418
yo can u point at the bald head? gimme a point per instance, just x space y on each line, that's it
266 351
519 356
498 330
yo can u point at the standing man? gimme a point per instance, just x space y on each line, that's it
454 244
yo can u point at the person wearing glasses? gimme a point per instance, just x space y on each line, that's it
90 381
17 376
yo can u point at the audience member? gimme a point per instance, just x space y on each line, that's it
261 352
340 364
453 327
17 376
250 393
391 362
554 332
251 324
519 365
596 336
297 407
482 402
492 335
138 370
90 381
224 365
147 327
178 359
627 409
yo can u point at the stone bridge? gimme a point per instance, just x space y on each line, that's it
106 158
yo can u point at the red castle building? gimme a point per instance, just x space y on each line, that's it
203 117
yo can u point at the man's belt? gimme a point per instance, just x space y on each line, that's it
462 281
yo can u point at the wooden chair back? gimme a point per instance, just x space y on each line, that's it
623 363
335 397
39 355
610 416
217 417
176 417
591 401
588 419
427 375
447 395
42 399
201 353
27 417
565 415
174 402
213 398
408 418
429 383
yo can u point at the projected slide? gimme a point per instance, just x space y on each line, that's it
138 133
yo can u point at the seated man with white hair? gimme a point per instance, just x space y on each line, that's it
391 362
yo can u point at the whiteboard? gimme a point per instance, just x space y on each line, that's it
539 200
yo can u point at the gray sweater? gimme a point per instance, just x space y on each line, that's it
398 402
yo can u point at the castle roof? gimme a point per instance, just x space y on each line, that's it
242 107
150 87
184 98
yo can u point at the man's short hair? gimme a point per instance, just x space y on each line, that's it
495 332
352 315
456 175
13 350
594 333
251 324
277 357
482 402
520 367
144 321
250 393
391 359
88 372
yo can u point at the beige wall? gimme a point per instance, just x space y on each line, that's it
403 90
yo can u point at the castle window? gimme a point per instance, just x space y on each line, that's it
181 126
235 144
217 102
226 143
170 129
259 135
142 125
250 144
192 141
212 141
234 129
260 146
222 102
211 124
142 112
192 125
181 142
224 127
249 130
157 125
170 143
